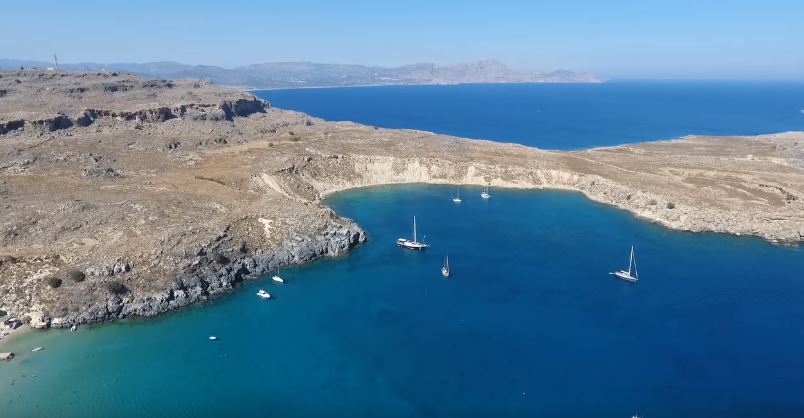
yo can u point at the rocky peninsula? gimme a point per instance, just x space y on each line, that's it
125 196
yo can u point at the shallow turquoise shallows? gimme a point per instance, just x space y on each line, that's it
529 324
563 116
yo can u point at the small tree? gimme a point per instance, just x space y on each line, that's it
76 276
671 205
3 313
116 287
54 282
220 259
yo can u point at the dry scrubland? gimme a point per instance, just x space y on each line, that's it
124 196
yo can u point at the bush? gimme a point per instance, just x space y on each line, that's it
220 258
3 313
116 287
671 205
54 282
76 276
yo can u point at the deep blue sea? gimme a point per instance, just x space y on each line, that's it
530 324
563 116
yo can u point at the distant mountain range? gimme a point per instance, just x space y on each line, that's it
308 74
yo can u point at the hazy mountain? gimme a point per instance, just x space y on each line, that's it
308 74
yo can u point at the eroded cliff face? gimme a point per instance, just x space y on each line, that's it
666 207
162 194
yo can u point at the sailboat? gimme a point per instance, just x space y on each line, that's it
414 244
626 275
457 198
485 194
445 269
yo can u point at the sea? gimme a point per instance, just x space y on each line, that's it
563 116
529 323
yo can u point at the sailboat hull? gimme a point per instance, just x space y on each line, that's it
625 276
410 245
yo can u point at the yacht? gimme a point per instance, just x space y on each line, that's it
278 279
37 349
627 275
213 338
445 269
485 194
457 198
263 294
73 328
414 244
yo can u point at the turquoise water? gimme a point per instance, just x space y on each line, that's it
530 324
563 116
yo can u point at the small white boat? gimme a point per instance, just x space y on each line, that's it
485 194
278 279
626 275
73 328
213 338
37 349
457 198
263 294
445 269
414 244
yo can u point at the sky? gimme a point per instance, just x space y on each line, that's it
680 39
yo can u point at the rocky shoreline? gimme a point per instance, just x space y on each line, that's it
178 191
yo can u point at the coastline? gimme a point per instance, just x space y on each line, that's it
253 89
190 189
24 329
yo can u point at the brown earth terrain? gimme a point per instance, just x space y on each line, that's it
124 196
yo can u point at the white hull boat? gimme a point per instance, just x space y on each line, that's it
457 198
631 275
485 194
445 269
411 244
37 349
263 294
278 279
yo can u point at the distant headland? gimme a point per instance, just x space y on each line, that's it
309 74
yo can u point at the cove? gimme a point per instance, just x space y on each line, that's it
530 323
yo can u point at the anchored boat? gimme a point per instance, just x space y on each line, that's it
263 294
626 275
445 269
485 194
414 244
457 198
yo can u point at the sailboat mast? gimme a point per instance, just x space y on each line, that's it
414 231
631 260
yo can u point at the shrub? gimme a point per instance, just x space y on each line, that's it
671 205
116 287
76 276
628 197
220 258
54 282
3 313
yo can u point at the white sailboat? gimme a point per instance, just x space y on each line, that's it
278 279
627 275
414 244
445 269
457 198
485 194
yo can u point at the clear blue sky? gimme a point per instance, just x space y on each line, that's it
612 38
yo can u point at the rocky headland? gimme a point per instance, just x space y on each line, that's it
124 196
